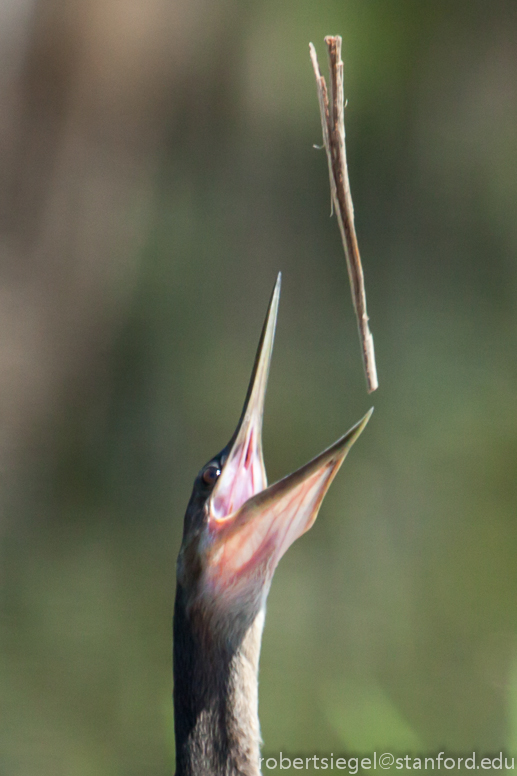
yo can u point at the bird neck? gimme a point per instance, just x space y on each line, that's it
215 695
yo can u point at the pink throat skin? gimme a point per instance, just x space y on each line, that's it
243 476
252 526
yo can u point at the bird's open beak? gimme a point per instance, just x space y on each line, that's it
251 525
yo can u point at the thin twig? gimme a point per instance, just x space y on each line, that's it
333 127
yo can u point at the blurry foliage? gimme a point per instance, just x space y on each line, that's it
159 170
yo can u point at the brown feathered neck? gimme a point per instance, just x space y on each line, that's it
216 693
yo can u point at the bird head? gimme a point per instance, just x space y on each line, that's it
236 527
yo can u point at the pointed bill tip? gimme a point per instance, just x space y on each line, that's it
275 298
259 377
351 436
339 450
255 396
265 347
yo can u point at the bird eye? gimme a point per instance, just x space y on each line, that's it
211 474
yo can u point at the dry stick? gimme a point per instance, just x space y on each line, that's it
333 126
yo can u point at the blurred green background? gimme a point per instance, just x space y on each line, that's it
157 169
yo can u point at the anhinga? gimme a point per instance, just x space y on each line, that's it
236 530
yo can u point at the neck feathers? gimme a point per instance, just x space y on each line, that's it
215 696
